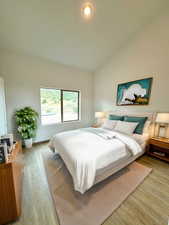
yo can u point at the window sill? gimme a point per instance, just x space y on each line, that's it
61 123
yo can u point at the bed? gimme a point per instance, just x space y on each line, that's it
93 154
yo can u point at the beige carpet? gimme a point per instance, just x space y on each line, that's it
95 206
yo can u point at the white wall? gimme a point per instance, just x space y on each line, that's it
24 75
3 125
145 56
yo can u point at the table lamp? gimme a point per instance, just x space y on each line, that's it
163 120
99 116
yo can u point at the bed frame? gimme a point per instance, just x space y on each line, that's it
110 170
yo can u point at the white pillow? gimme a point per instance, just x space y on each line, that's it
125 127
109 124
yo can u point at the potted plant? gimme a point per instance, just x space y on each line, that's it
26 120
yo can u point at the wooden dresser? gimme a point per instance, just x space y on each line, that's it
11 174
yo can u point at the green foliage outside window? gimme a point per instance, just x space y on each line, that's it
51 101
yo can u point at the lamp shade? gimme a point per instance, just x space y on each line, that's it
99 115
162 118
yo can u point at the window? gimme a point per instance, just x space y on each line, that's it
70 105
50 106
59 105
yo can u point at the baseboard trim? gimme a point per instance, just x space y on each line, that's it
41 142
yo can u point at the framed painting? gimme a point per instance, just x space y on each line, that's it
134 92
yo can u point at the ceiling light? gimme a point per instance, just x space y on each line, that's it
87 10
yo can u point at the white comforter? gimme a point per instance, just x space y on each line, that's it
81 150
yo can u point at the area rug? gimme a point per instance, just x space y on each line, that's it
96 205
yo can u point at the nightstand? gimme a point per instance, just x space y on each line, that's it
159 148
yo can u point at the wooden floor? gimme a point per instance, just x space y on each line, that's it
148 205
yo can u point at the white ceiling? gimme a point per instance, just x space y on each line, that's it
55 30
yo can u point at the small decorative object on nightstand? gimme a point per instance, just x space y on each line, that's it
159 148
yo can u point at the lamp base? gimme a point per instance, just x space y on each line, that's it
162 131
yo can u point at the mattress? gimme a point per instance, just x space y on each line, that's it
118 153
114 154
103 173
120 160
88 153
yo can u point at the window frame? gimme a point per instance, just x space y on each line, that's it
62 107
78 104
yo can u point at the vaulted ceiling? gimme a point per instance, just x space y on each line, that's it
54 29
